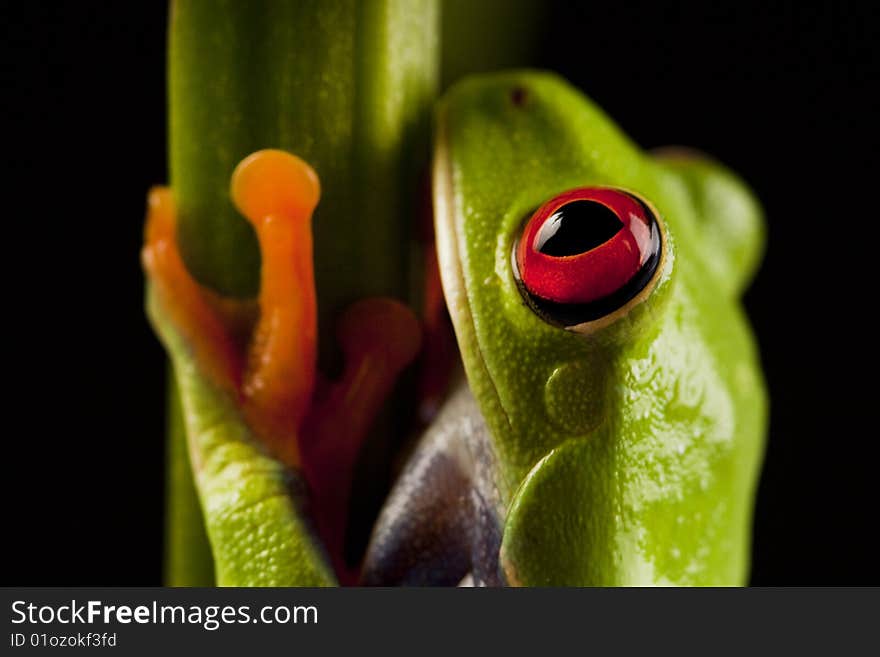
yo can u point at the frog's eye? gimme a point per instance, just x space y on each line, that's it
586 253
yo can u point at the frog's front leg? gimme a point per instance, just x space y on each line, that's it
253 417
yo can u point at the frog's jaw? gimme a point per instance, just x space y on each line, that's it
515 560
446 216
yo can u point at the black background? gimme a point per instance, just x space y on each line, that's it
777 91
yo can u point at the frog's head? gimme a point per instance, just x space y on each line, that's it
594 292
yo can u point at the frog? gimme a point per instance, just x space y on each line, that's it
609 426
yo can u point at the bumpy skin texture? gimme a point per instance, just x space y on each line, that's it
629 454
252 504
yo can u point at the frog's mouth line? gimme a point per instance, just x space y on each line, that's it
449 251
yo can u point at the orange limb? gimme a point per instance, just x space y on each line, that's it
274 374
379 337
277 192
190 307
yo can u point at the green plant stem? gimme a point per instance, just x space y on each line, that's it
188 560
345 84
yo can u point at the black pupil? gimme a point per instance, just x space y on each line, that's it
576 228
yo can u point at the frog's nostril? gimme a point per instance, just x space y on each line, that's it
518 96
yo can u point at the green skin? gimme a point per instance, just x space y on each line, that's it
255 522
627 454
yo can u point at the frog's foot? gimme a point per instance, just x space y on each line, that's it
277 193
192 309
272 375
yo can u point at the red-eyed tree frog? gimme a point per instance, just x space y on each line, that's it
610 430
609 426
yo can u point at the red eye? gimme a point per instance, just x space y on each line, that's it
587 252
